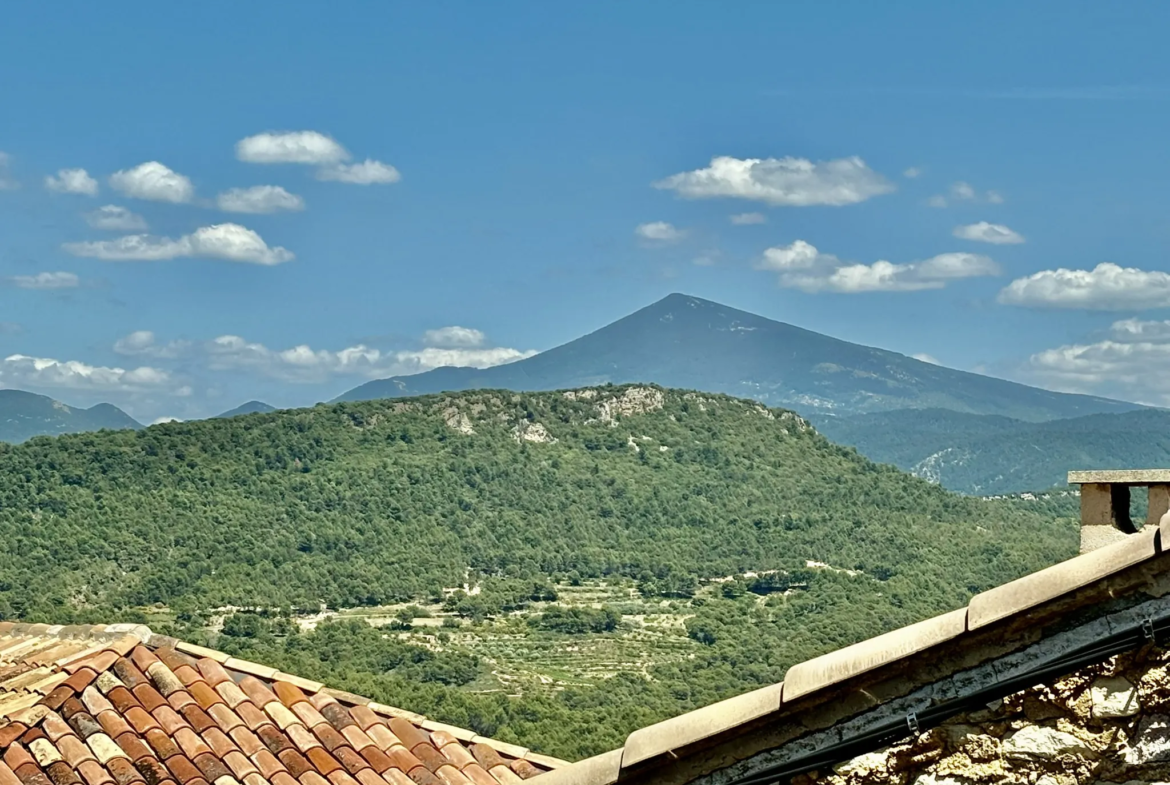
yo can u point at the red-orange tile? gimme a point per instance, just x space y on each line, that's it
376 758
169 719
180 698
267 763
369 777
152 770
329 736
301 737
403 759
204 694
80 680
487 756
357 738
342 777
423 776
352 762
478 775
55 699
255 779
257 691
224 717
252 716
239 764
60 773
94 773
196 717
410 735
162 744
308 715
70 707
187 674
129 674
273 739
296 763
282 778
30 774
149 697
313 778
212 671
457 754
84 724
16 756
524 768
55 727
113 724
362 716
74 750
122 699
191 745
451 776
248 742
212 767
123 771
134 746
173 659
322 761
182 767
430 756
11 733
289 694
219 742
396 777
143 658
100 662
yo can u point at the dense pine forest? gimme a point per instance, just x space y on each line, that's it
514 495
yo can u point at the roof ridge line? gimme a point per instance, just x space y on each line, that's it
229 662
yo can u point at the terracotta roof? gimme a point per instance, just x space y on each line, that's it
848 681
119 705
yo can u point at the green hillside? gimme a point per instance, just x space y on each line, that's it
516 497
984 454
24 415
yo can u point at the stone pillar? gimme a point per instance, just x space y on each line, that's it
1104 515
1159 504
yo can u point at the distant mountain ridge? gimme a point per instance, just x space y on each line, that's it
691 343
24 415
251 407
986 454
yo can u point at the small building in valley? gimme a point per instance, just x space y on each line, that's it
1058 678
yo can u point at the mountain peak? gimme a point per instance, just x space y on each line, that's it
684 341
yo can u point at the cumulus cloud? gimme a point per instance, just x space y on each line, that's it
56 280
7 182
72 181
659 232
164 420
454 337
153 181
291 147
368 172
307 365
964 192
142 343
802 266
985 232
1107 287
926 358
791 182
231 242
1131 361
116 219
912 173
746 219
23 371
259 199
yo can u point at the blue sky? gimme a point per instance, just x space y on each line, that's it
531 171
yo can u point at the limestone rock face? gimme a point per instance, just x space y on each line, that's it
1114 697
1039 743
1152 742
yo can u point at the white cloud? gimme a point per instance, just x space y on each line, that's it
1132 361
659 232
307 365
46 281
164 420
793 182
964 192
912 173
155 182
1107 287
259 199
72 181
22 370
454 337
117 219
141 343
228 241
291 147
802 266
926 358
984 232
746 219
7 183
368 172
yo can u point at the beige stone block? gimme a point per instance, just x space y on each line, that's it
703 723
1159 496
1094 537
1106 505
599 770
859 658
1127 476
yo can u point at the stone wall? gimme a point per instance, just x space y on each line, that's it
1105 724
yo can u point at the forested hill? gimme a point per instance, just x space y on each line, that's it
683 341
24 415
363 503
